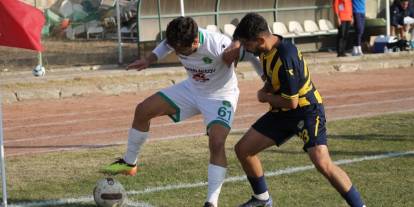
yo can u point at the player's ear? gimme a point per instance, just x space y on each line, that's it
260 40
196 42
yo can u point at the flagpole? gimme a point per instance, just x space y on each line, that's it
118 20
182 8
387 16
3 167
40 59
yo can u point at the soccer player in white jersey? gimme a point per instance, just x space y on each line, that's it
210 89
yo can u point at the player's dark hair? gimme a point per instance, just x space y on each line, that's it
250 27
182 31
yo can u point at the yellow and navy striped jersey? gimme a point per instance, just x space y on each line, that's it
289 75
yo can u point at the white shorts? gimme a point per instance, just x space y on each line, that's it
214 110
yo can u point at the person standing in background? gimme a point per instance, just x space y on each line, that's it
358 10
343 13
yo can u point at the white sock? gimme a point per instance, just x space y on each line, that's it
216 175
360 50
263 196
355 50
135 139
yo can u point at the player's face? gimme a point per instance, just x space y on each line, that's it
254 46
187 50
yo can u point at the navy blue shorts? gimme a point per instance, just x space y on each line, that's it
308 123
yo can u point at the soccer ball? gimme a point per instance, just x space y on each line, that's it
109 193
39 71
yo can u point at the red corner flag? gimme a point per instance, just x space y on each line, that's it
20 25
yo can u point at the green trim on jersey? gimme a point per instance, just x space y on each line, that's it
218 122
201 37
175 117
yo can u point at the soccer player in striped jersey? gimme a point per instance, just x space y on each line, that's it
296 108
210 89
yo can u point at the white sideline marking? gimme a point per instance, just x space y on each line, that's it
290 170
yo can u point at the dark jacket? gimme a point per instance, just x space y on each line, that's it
398 14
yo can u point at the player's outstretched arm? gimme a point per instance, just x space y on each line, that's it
255 61
231 53
141 64
158 53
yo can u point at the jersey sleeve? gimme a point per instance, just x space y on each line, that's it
224 43
162 50
219 44
255 61
289 75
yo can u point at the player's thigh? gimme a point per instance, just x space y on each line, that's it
253 142
181 99
312 128
277 126
155 105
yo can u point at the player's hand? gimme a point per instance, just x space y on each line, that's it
263 77
140 64
262 95
231 53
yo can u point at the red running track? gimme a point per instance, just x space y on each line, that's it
99 121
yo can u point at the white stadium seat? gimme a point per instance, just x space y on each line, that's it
326 25
212 28
312 27
280 29
295 27
93 28
229 30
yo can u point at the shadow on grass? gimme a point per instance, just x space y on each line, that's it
373 137
332 152
46 203
57 203
82 146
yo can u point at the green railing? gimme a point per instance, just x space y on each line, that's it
216 13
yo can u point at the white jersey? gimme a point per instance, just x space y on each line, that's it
208 75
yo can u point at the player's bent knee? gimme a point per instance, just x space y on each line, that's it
141 113
139 109
325 167
240 150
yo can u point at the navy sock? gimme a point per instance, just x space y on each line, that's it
258 184
353 198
